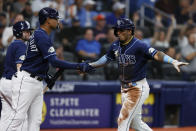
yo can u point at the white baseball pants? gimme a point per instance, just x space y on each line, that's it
27 99
132 101
6 95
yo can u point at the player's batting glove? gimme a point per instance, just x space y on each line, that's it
49 81
177 64
85 67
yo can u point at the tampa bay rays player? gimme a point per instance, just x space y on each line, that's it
27 96
132 56
14 58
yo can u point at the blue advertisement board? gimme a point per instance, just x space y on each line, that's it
147 109
76 111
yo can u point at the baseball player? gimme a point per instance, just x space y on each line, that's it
14 58
132 56
27 96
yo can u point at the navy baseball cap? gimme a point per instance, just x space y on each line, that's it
48 12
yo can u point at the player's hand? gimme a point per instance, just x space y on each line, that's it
177 64
84 67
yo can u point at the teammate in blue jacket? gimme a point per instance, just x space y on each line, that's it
28 91
132 56
14 58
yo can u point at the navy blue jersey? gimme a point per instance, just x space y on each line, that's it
15 55
132 59
39 48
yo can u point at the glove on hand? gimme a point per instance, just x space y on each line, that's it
49 80
85 67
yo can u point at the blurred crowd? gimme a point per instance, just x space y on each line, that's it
85 32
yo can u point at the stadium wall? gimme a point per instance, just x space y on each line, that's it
97 105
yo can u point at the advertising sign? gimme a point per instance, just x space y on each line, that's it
76 111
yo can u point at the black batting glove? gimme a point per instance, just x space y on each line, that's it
49 81
86 68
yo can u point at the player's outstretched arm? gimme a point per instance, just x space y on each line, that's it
83 67
160 56
100 63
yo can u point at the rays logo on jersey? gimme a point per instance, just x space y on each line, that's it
126 59
32 45
22 57
51 49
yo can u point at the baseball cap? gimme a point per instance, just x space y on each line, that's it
118 5
89 2
100 17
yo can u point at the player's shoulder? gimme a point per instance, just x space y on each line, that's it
20 46
140 43
115 43
17 43
39 33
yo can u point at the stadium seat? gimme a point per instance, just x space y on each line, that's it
68 56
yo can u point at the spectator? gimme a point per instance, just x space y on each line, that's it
59 52
9 10
39 4
111 68
161 38
110 38
88 48
118 12
60 6
87 15
7 36
69 36
168 6
182 12
3 19
136 18
192 10
171 51
184 32
139 33
189 54
36 6
27 12
74 9
100 29
19 5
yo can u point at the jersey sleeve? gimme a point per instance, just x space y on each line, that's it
112 51
148 50
45 46
20 53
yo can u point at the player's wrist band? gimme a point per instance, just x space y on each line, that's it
168 59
